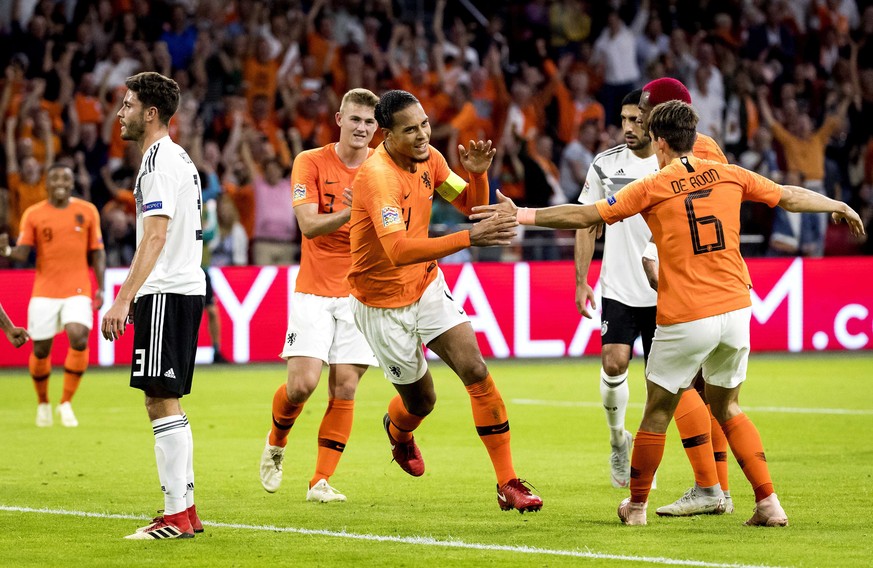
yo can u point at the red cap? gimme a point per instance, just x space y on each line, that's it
666 89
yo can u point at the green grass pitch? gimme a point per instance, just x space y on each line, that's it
814 413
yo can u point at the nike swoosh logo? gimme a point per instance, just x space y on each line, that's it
502 497
407 195
330 182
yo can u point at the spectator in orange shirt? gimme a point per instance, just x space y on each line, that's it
65 233
704 304
26 178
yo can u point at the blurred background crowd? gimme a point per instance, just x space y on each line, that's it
782 86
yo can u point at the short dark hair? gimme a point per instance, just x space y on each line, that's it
390 104
632 98
155 90
675 122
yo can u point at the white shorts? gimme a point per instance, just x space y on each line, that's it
717 344
323 328
46 317
396 334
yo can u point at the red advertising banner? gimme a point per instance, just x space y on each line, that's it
517 309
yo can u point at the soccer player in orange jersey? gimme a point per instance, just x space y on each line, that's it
17 336
702 438
66 234
321 329
704 305
399 296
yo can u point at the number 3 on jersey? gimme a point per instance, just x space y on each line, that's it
694 223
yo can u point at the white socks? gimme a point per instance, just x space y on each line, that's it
189 474
172 443
614 393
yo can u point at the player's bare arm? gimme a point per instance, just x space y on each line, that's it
147 253
582 255
17 336
555 217
801 200
314 224
97 260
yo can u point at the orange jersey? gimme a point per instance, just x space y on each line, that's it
386 200
62 238
692 207
706 148
319 176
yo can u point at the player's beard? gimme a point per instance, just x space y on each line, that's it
134 129
640 143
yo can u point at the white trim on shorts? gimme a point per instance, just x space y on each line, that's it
322 327
46 317
397 334
718 344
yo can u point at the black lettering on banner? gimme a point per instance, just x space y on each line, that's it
694 221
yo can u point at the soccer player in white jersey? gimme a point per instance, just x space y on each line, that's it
164 291
628 302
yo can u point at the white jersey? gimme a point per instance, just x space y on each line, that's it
621 275
168 185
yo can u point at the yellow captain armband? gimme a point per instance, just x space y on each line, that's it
452 187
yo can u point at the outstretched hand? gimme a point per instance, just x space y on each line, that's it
504 208
476 157
493 231
852 219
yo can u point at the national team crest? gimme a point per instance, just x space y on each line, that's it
391 216
604 326
425 177
299 191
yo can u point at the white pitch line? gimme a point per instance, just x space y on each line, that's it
782 409
414 540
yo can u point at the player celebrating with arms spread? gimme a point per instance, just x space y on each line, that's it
399 296
704 304
321 329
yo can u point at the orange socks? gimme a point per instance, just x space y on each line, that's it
285 413
492 425
749 451
74 366
645 459
332 437
401 422
693 422
719 451
40 369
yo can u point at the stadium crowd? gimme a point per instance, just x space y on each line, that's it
781 86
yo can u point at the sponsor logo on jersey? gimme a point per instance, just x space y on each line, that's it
391 216
152 205
299 191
